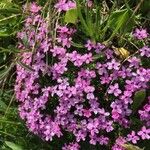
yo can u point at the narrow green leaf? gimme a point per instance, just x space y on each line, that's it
71 16
4 72
82 20
27 67
7 19
4 33
9 11
25 41
10 50
77 45
115 16
118 20
13 146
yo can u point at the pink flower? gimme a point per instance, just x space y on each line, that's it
114 89
140 34
64 5
132 137
113 65
144 133
115 115
34 7
89 3
86 113
145 51
89 45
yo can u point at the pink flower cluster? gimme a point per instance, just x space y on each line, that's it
64 5
94 95
71 146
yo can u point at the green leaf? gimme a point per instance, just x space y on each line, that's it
8 4
84 25
4 72
9 11
13 146
77 45
139 97
71 16
10 50
9 19
2 58
120 21
4 32
27 67
131 147
117 20
2 105
115 16
25 41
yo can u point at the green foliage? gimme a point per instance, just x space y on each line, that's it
10 18
13 146
10 23
120 21
104 19
71 16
